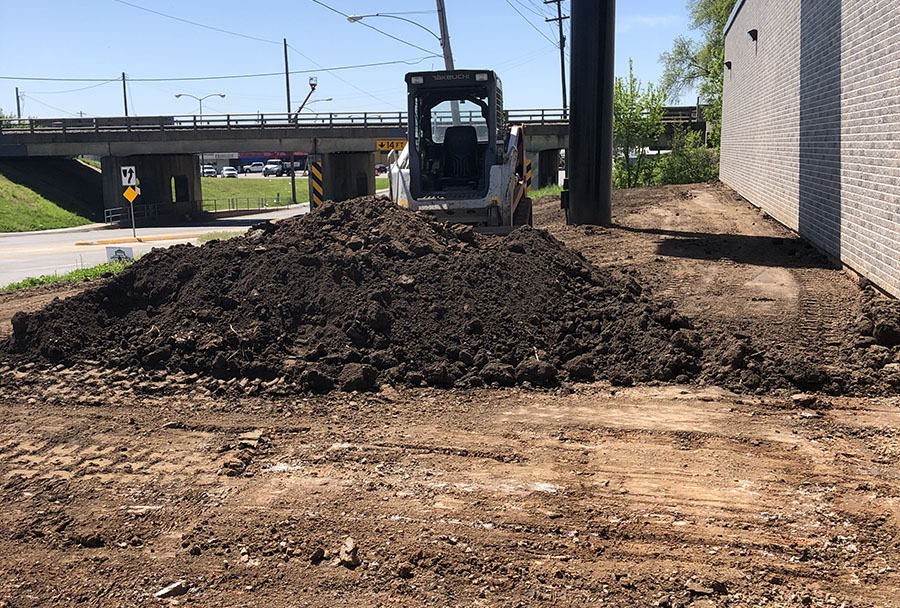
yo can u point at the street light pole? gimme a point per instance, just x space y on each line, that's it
200 99
313 83
443 39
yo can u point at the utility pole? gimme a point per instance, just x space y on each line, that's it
287 89
287 78
562 49
448 53
125 94
590 160
445 36
18 105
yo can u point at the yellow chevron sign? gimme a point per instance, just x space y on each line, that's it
386 145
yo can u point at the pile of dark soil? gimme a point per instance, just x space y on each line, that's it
363 292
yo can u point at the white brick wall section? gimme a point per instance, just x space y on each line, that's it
849 103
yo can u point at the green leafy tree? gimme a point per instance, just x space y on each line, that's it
637 125
690 161
4 119
700 64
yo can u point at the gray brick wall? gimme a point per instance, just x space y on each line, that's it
811 124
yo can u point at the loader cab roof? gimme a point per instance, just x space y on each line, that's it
452 78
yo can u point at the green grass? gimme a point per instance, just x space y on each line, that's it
221 235
248 191
87 161
546 191
80 274
23 210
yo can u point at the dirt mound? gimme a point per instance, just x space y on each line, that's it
363 292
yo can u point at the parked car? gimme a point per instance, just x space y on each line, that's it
273 167
256 167
380 169
208 171
229 172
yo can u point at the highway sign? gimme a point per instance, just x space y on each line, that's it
386 145
130 193
129 177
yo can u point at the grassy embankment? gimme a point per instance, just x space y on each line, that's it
79 274
23 210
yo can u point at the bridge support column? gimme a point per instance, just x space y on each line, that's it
545 168
169 185
348 175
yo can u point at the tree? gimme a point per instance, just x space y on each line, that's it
637 124
700 65
5 119
690 161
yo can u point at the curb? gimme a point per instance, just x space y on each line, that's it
144 239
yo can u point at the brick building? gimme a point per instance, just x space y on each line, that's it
811 124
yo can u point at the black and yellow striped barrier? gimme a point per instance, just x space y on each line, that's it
528 176
316 188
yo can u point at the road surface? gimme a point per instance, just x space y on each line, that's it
24 255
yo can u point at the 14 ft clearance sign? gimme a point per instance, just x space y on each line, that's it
386 145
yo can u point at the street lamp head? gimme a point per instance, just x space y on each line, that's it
177 95
354 18
222 95
313 82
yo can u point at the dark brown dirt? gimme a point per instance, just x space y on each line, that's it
361 293
678 496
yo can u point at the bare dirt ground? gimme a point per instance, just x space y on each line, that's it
656 495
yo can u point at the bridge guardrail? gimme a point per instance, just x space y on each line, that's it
112 124
229 122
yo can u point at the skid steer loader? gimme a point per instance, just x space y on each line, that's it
462 162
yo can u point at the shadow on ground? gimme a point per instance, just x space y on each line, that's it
742 249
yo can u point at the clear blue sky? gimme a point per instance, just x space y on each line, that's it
102 38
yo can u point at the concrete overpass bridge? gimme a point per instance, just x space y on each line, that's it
164 149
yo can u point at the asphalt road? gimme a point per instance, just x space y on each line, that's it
32 254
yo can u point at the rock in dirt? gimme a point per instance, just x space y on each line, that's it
804 400
887 334
538 373
501 373
348 556
358 377
405 570
173 590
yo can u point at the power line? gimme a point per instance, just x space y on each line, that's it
528 21
51 107
345 81
208 27
372 27
413 61
93 86
531 8
33 78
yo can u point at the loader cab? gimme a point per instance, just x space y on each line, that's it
456 132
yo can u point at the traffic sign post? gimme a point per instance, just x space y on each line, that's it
129 181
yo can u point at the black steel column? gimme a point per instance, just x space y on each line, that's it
590 155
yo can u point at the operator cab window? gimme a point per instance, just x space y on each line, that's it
451 151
